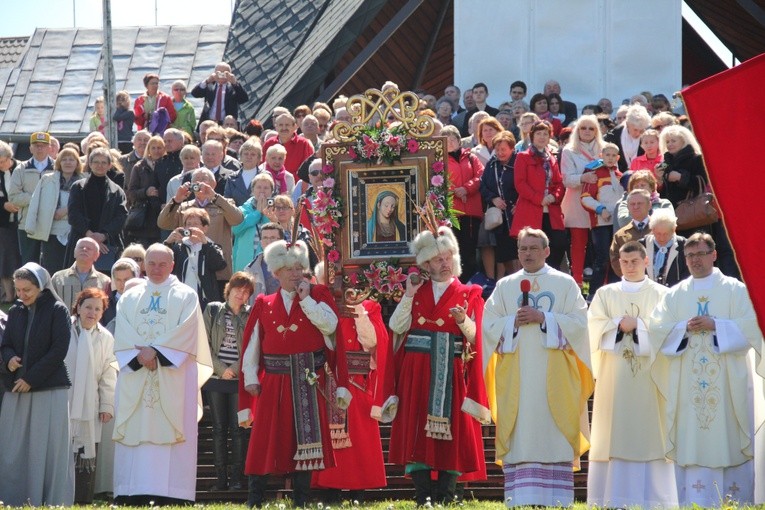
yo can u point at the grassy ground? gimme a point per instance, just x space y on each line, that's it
382 505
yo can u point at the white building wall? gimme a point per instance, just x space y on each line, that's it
594 48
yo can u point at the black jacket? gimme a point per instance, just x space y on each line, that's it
489 189
210 260
615 136
235 95
43 362
111 220
691 167
166 168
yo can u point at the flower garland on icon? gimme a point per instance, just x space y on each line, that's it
379 144
381 280
440 198
326 210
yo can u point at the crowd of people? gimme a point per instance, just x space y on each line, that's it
181 261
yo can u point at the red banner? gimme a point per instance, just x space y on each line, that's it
728 117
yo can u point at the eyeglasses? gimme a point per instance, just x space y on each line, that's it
698 255
137 259
586 128
314 172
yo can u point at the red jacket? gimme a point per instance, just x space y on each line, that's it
530 180
298 150
162 100
466 173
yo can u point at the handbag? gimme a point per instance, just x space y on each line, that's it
492 218
699 211
136 218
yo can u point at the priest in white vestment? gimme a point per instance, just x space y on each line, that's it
164 358
707 329
627 466
542 376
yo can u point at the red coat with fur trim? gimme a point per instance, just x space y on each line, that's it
409 442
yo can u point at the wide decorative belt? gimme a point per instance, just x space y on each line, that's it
443 347
358 362
300 368
420 340
280 363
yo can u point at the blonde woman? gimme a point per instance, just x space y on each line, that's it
583 147
47 218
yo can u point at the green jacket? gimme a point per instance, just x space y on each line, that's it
186 119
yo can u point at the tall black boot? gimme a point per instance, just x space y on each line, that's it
421 479
220 446
301 487
256 490
447 483
220 458
237 459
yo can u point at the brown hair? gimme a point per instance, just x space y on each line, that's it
90 292
239 279
489 121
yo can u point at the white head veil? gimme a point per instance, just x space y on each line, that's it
42 276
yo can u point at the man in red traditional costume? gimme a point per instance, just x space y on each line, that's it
439 378
359 462
289 337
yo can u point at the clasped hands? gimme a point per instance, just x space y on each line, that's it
21 386
147 357
700 323
528 315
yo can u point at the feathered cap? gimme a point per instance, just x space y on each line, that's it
427 245
281 254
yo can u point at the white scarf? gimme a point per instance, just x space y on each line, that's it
84 399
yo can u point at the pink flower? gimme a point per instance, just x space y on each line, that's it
438 167
436 180
333 256
328 169
370 147
394 142
352 153
412 145
328 183
372 274
354 278
327 241
396 276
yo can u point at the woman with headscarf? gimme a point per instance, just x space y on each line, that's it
384 225
91 363
36 463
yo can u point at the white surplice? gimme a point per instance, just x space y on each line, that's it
155 429
627 465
